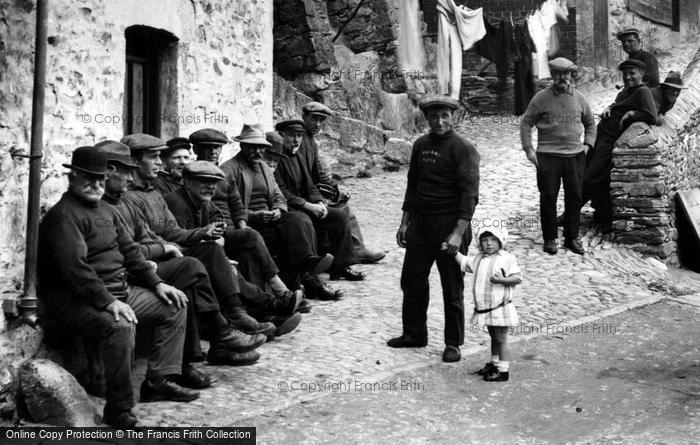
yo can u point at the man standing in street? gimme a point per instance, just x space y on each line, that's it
561 114
632 45
315 115
441 194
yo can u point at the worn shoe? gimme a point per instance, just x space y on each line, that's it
165 389
219 356
366 256
406 342
119 419
304 307
550 246
496 376
237 341
285 325
194 379
315 264
348 273
287 303
451 354
239 319
487 369
574 245
317 289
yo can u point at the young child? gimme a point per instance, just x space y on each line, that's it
496 273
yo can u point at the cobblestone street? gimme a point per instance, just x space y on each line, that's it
344 341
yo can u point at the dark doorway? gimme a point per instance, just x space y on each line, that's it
151 77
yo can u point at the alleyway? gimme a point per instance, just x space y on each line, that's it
344 342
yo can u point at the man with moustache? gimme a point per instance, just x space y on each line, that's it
193 208
202 243
561 114
84 257
302 195
314 115
441 194
632 45
291 233
635 103
174 158
184 272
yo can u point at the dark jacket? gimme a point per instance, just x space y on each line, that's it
165 183
189 215
85 252
637 99
309 152
294 179
651 75
239 173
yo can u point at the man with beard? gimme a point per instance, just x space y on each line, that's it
632 45
560 113
315 115
174 158
84 257
634 103
302 195
291 233
241 243
666 94
185 273
193 208
201 243
441 193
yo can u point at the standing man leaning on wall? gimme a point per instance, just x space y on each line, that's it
441 194
315 115
560 113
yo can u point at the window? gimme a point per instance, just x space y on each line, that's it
150 95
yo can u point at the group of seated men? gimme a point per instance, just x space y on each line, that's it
193 250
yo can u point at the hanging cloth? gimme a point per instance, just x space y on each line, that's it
497 46
524 87
458 29
410 52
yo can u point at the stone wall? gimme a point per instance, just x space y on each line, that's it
224 78
651 164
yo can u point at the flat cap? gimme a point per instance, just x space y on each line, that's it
437 100
116 152
562 64
632 63
674 80
178 143
203 170
208 136
627 31
317 108
143 142
291 125
252 134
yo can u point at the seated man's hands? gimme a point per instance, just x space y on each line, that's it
276 214
118 307
318 210
261 216
606 113
215 230
172 250
170 294
626 116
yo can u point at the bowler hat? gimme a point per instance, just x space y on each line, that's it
89 160
437 100
317 108
632 63
253 135
116 152
674 80
208 136
178 143
562 64
291 125
203 170
143 142
627 31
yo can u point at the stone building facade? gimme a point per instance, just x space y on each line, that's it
202 62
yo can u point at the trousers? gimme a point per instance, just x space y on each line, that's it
248 247
552 170
596 178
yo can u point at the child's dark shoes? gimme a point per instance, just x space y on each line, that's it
487 369
496 376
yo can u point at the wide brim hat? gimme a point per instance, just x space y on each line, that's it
252 135
627 31
203 170
674 80
632 63
291 125
116 152
87 159
562 64
437 100
208 136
